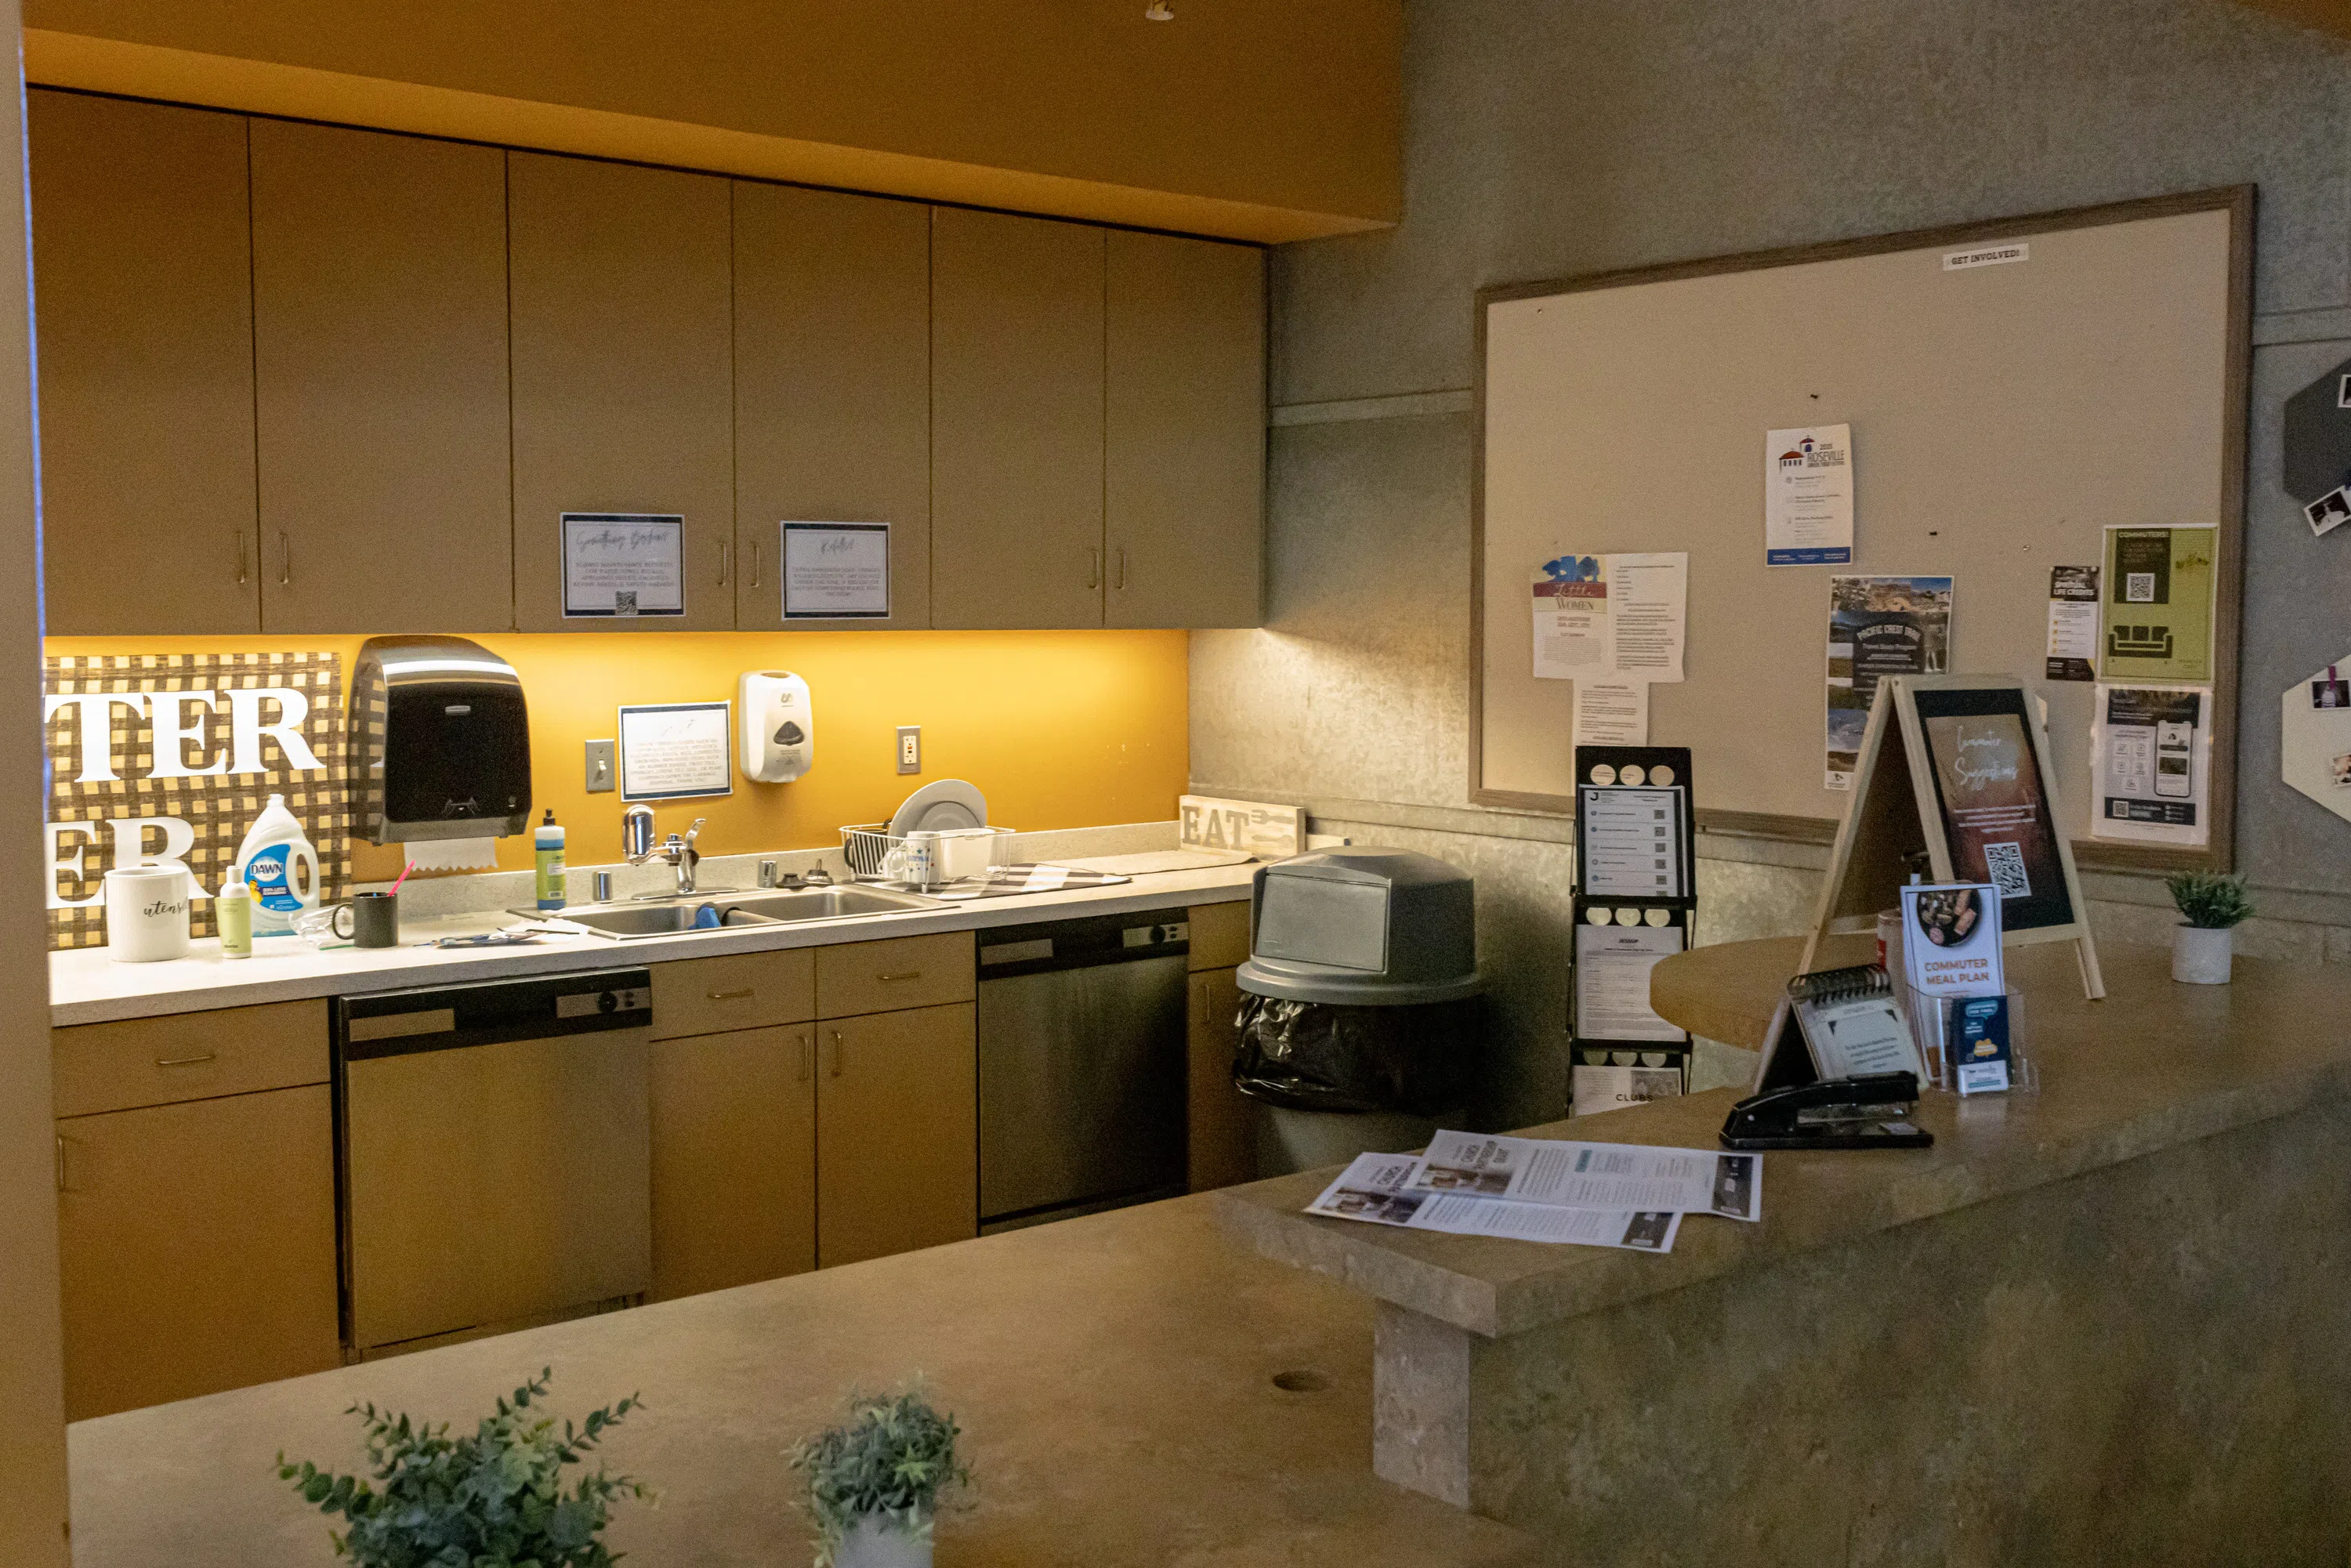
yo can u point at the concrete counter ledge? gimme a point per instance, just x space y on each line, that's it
2102 1323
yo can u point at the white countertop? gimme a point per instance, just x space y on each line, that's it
87 986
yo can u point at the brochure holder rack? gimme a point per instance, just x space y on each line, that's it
1955 769
1634 899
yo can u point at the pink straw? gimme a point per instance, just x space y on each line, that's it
401 878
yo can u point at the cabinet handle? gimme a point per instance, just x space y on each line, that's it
64 1182
733 996
909 975
243 571
722 548
807 1057
284 559
187 1060
1121 569
1093 568
836 1052
755 563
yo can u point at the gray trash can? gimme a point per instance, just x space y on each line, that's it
1360 1023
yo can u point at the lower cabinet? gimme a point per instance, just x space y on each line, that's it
734 1158
897 1132
1223 1121
197 1247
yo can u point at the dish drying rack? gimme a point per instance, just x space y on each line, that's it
867 847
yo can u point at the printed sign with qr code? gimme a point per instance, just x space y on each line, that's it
2005 863
2138 588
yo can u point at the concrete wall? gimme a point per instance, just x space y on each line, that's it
1552 139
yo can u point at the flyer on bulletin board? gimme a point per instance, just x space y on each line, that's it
1808 495
2156 605
1617 617
2151 766
1878 626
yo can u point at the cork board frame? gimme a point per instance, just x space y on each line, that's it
1998 427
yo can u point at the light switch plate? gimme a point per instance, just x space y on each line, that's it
910 748
600 768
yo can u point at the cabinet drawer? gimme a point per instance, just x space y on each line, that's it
881 977
1220 935
187 1056
740 990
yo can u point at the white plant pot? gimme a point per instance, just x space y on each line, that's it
875 1542
2200 953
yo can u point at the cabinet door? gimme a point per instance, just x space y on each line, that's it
1016 421
623 396
380 361
196 1248
1183 443
1223 1121
734 1159
833 386
897 1133
142 271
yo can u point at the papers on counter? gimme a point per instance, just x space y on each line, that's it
1594 1195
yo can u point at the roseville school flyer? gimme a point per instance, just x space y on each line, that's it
1377 1189
1808 495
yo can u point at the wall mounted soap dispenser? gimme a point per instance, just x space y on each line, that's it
778 726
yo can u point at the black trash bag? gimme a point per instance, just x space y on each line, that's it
1318 1056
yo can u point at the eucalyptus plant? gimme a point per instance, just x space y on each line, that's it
891 1460
494 1499
2209 899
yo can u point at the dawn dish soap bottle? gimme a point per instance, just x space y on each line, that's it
546 842
265 863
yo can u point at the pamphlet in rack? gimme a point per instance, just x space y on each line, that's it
1961 1011
1634 903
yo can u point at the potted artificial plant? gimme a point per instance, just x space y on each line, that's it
874 1481
2211 905
494 1499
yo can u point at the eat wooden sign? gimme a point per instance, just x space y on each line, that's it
1248 827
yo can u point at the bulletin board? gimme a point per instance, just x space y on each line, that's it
2001 417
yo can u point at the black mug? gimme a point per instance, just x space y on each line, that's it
375 920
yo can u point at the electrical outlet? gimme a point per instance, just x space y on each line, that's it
600 768
910 748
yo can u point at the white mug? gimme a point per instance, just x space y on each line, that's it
146 913
914 861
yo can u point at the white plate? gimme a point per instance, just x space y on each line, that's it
937 808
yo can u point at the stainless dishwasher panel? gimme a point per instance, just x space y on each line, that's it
1081 1065
493 1153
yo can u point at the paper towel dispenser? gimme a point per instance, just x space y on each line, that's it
440 741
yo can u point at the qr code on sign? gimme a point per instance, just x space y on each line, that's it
2005 865
2138 588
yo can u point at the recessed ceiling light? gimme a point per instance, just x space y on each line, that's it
1159 11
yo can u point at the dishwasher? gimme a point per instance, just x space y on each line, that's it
493 1155
1082 1072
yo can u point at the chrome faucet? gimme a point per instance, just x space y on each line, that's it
637 844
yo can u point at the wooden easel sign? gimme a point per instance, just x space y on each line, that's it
1956 767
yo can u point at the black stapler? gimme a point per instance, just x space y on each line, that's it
1871 1112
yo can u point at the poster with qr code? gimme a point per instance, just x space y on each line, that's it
1996 807
2151 766
171 756
2154 620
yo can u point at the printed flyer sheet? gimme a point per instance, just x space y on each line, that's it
1631 841
1593 1175
1610 713
1878 626
2073 623
1378 1190
2151 764
2158 607
1612 981
1950 940
1612 1085
1619 617
1808 495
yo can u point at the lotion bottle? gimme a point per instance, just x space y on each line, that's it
232 912
546 842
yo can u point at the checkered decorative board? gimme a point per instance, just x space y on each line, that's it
236 715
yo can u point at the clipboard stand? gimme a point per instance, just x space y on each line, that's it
1663 897
1895 816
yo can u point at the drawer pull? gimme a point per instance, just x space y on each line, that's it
187 1060
892 980
734 995
806 1053
836 1052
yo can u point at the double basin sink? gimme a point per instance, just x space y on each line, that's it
676 916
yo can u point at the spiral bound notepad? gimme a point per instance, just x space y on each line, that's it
1838 1023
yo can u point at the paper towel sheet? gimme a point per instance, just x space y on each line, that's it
454 854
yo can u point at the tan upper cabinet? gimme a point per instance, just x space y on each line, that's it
1017 422
833 386
1183 442
143 287
623 394
380 360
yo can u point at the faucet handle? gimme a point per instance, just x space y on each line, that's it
694 830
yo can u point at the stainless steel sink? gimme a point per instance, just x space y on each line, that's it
672 917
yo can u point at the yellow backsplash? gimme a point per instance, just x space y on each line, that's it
1058 730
